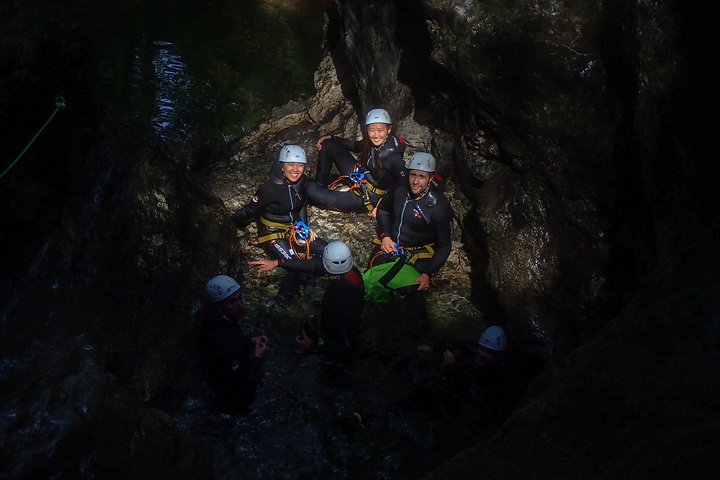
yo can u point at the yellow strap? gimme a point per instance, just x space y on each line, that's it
374 189
270 223
426 251
270 236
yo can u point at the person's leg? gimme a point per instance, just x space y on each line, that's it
289 284
347 201
333 152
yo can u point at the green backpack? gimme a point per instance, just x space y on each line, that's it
389 281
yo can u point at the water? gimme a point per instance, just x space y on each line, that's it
206 69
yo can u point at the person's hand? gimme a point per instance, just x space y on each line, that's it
424 348
321 140
303 341
387 245
313 236
265 265
260 345
423 281
448 359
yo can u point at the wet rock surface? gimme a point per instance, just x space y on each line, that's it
577 143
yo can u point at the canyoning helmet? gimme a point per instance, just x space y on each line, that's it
378 115
337 258
221 287
292 154
494 338
422 161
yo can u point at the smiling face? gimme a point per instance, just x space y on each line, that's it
293 171
378 133
418 182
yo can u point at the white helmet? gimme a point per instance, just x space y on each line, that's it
422 161
221 287
494 338
378 115
337 258
292 154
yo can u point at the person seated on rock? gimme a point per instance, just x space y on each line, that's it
280 209
341 305
233 359
368 167
415 220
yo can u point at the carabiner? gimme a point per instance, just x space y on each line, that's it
302 230
356 177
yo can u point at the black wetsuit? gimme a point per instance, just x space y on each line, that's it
501 381
342 306
277 205
232 368
423 227
383 166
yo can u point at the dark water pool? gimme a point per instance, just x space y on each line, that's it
206 68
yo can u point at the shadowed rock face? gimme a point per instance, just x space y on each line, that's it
579 144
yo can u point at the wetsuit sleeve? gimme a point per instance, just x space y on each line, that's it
442 218
244 215
385 214
313 266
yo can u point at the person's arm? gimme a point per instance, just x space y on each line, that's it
313 266
442 219
244 215
384 215
257 348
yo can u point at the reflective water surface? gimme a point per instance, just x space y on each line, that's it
208 68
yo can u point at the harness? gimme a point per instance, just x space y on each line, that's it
408 254
297 235
282 230
359 186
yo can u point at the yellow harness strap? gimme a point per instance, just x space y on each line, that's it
374 189
416 253
283 233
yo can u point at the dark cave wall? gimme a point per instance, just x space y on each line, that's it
549 117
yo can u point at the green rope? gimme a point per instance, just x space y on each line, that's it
59 104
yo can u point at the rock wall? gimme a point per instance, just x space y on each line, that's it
581 138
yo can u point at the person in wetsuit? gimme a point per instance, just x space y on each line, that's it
280 208
415 219
379 164
233 359
342 303
483 370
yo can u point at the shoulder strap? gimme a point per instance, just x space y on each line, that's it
390 274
